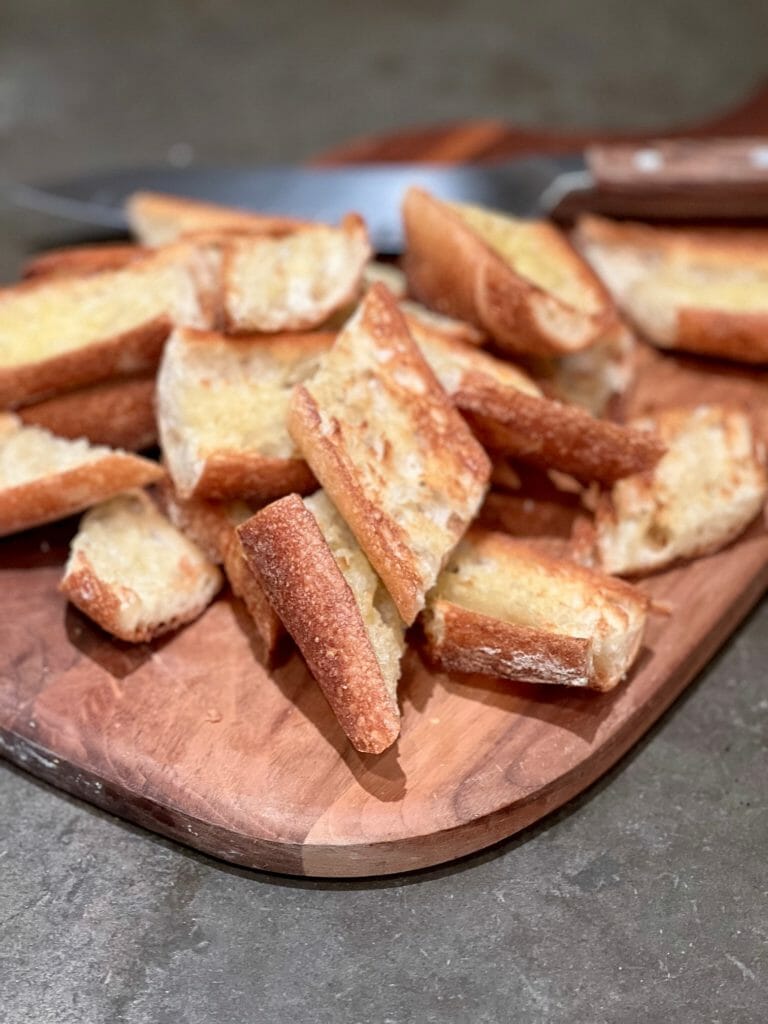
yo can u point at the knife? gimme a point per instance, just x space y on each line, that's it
721 179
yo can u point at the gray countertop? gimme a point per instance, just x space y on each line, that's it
644 899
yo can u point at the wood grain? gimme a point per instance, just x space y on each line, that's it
189 737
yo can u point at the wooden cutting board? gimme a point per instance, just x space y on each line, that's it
191 738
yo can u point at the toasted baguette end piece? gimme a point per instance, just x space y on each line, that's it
330 613
134 573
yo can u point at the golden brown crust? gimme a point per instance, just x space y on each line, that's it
134 351
237 474
284 545
553 435
117 413
212 526
739 336
82 259
246 584
451 268
328 443
466 641
64 493
96 599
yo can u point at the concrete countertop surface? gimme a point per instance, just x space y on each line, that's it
642 900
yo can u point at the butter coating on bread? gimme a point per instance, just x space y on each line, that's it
295 281
699 290
44 478
337 610
222 405
119 413
505 609
393 454
518 280
703 493
134 573
60 333
158 219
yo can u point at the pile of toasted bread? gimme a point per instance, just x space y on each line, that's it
376 455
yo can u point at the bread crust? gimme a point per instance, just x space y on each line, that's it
82 259
135 351
117 413
247 585
460 640
326 440
553 435
451 268
285 547
228 475
64 493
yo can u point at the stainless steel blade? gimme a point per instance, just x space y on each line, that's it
373 190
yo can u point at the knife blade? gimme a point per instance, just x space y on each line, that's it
674 178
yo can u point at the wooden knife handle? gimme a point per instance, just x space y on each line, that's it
682 178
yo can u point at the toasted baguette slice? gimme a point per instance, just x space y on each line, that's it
222 405
119 413
518 280
134 573
698 290
60 333
212 526
508 413
78 260
43 477
704 492
503 609
394 456
337 610
294 282
157 219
